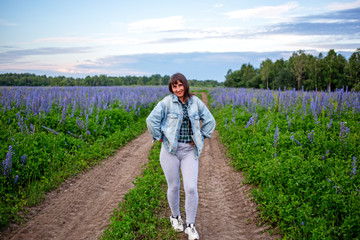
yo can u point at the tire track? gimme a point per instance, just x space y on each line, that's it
81 207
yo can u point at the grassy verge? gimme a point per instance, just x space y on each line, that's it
142 214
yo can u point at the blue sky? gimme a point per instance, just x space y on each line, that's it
202 39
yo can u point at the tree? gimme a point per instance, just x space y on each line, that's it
353 70
298 66
334 70
265 69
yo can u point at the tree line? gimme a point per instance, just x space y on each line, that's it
301 71
29 79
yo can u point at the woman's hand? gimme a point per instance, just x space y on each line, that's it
192 143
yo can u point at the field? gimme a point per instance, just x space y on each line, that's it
301 150
48 134
298 149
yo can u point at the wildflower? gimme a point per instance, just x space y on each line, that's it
311 136
326 154
23 159
269 124
344 131
16 178
51 130
302 223
353 171
251 121
63 115
329 125
79 123
7 163
276 136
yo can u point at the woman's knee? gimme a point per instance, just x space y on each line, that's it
191 191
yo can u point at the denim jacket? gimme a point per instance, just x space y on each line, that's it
165 120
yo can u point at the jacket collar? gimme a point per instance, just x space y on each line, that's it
176 99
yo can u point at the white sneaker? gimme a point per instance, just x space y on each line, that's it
191 231
177 223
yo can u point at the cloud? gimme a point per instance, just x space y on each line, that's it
157 24
345 22
14 55
343 6
267 12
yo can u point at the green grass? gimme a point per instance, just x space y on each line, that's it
306 185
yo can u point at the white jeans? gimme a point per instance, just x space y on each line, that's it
184 160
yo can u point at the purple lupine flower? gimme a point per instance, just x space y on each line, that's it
79 123
233 120
289 122
51 130
23 159
251 121
86 121
7 163
276 136
63 115
344 131
329 125
326 155
353 171
103 125
16 179
311 136
268 127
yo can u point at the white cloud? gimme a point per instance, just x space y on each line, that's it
157 24
268 12
343 6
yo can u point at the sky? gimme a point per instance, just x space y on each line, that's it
202 39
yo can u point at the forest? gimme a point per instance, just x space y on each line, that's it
29 79
301 71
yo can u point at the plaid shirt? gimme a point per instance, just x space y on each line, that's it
185 129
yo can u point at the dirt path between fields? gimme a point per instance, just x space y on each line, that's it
81 207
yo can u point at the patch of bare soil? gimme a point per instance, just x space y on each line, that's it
226 209
81 207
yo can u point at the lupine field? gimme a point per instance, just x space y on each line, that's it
50 133
301 150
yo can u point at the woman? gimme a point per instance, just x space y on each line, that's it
175 121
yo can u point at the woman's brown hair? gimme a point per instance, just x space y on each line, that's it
178 77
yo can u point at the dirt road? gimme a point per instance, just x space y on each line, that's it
81 207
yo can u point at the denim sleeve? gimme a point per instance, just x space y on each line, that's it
153 121
208 121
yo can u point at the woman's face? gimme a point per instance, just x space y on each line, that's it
178 89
